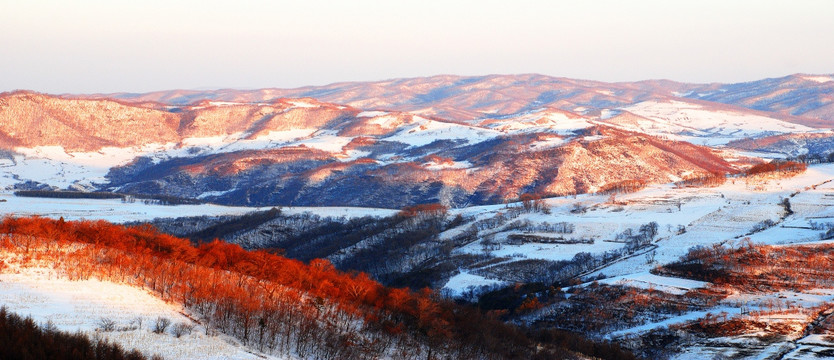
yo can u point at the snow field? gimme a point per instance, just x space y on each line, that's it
702 126
646 280
723 214
464 280
79 305
540 120
423 132
115 211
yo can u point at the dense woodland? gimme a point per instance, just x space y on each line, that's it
782 167
758 267
282 306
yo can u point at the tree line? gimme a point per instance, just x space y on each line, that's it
274 304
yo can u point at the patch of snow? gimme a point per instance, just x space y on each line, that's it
541 120
233 142
371 113
385 121
819 79
609 113
699 125
423 132
646 280
682 94
326 141
302 104
214 193
593 137
454 165
547 144
459 283
223 103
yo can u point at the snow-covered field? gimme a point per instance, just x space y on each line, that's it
80 305
116 211
687 217
693 123
646 280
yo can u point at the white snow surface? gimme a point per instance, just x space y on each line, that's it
541 120
819 79
431 165
691 122
424 131
608 113
464 280
79 305
719 215
114 210
646 280
303 104
371 113
54 166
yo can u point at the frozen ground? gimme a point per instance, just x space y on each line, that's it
687 217
116 211
647 280
79 305
464 280
723 214
699 125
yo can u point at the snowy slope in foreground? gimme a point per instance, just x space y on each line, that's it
79 305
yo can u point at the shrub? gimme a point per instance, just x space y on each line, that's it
181 329
161 324
106 324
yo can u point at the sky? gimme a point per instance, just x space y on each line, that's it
101 46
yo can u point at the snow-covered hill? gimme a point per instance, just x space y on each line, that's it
306 152
697 123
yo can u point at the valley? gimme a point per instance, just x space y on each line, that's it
663 219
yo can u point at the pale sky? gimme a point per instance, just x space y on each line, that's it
88 46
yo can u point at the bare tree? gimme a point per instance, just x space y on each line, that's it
137 321
106 324
181 329
161 324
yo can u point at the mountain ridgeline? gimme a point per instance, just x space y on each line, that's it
457 141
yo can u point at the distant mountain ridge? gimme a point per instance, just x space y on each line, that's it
307 152
801 97
447 139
